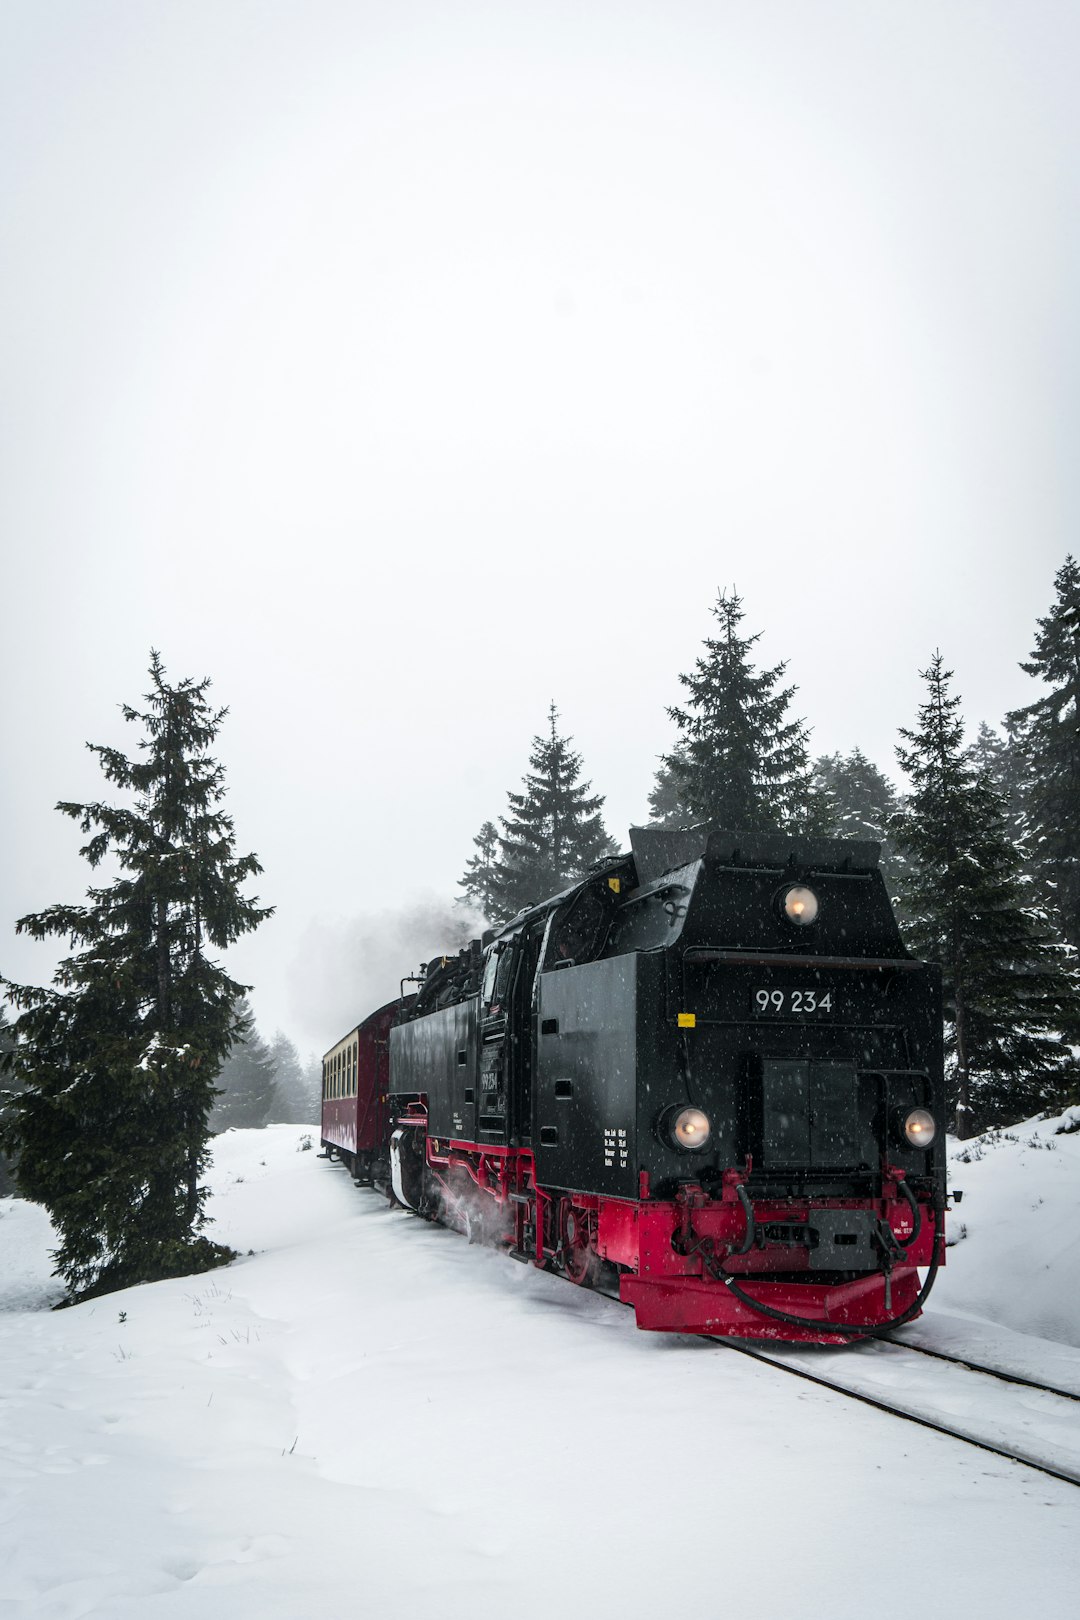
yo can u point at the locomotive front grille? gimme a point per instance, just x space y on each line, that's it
807 1116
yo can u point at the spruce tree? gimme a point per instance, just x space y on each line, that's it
246 1081
481 880
294 1103
1002 759
666 804
1008 992
1048 733
860 799
118 1058
554 832
859 802
739 760
313 1084
7 1044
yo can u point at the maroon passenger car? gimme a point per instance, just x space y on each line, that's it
355 1084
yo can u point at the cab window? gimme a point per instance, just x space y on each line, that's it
578 934
498 975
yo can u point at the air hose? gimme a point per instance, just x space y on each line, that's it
751 1225
819 1326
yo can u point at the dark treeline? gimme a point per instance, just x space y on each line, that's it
980 840
264 1083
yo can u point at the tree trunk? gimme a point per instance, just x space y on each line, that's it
965 1117
164 1010
191 1203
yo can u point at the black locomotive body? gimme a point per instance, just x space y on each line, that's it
711 1065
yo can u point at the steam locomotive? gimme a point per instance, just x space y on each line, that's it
709 1070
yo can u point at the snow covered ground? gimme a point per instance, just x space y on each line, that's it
367 1417
1016 1234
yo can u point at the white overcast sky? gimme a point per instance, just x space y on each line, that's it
405 366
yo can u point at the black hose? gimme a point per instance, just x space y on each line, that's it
751 1224
852 1332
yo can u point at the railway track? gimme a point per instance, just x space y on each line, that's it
991 1372
1007 1414
1045 1437
1039 1428
1003 1412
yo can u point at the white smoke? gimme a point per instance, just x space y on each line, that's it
346 967
466 1208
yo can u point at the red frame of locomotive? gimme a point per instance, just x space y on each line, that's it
661 1245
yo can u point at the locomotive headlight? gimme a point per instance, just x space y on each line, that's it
800 906
920 1128
690 1128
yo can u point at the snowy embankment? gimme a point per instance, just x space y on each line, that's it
1015 1237
367 1417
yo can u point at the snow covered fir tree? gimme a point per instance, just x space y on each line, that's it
247 1080
858 800
552 835
297 1094
1047 733
1009 992
667 804
7 1168
739 760
263 1082
1001 758
117 1061
480 883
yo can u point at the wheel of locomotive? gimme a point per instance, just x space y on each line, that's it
580 1261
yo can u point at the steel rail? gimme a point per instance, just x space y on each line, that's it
1025 1459
978 1366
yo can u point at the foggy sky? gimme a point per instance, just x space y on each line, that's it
404 367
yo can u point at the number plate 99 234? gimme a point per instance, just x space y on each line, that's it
791 1003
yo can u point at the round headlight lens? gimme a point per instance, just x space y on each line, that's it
800 906
690 1128
920 1128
